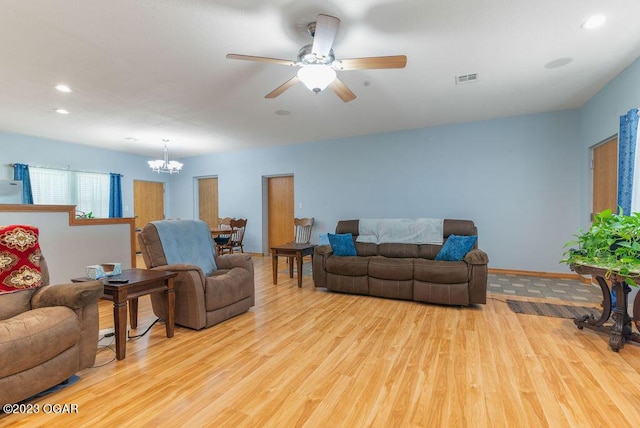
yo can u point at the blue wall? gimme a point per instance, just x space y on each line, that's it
517 178
524 180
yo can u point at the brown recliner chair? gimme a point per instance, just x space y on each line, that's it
47 334
203 298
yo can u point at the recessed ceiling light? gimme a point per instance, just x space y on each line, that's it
61 111
594 22
63 88
557 63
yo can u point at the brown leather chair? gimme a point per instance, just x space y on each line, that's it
47 334
238 227
203 299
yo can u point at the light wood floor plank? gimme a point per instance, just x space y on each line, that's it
306 357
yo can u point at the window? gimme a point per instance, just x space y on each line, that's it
88 191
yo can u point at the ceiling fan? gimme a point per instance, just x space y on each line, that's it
318 64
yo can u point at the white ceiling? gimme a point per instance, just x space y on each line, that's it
156 69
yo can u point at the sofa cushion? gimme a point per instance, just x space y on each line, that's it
19 258
36 336
348 266
440 271
456 247
391 268
444 294
365 249
428 251
342 244
391 289
398 250
16 303
348 284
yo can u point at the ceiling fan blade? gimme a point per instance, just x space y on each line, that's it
396 61
261 59
280 89
342 91
325 33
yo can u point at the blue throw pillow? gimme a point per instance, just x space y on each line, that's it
324 239
456 247
342 244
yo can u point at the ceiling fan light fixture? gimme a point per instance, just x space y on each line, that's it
316 77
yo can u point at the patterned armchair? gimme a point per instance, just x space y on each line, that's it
47 332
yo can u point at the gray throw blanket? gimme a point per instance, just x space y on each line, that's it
402 231
187 241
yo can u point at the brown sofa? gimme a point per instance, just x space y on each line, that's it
46 335
404 271
201 301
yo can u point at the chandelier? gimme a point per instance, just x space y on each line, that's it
165 165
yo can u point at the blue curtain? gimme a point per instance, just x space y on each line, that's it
626 158
21 172
115 195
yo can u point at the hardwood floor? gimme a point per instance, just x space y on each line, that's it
309 357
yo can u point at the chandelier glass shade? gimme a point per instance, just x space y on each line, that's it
316 77
165 165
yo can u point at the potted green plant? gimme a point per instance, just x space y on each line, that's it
612 243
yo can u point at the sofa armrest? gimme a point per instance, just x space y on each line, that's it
75 295
230 261
322 250
187 272
476 257
320 255
178 267
477 261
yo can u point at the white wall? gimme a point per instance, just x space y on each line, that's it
70 249
58 154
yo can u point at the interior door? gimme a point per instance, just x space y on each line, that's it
280 209
148 204
605 176
208 201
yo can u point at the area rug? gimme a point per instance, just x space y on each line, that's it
73 379
552 310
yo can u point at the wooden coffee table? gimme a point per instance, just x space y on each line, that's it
291 250
140 282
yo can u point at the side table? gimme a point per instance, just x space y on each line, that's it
140 282
621 331
291 250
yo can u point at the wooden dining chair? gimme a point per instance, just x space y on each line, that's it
223 238
302 228
302 232
238 227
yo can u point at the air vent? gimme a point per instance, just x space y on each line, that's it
466 78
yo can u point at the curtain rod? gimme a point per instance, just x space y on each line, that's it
68 169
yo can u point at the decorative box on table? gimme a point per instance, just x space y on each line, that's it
103 270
